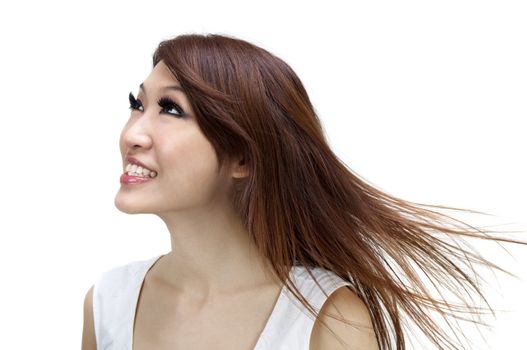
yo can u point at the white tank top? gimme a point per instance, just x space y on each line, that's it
289 326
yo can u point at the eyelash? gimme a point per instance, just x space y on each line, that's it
164 102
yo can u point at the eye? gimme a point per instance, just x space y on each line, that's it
168 105
165 103
134 103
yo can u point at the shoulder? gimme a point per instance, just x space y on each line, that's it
88 299
122 275
88 330
359 334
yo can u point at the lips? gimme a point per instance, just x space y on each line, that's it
132 160
126 179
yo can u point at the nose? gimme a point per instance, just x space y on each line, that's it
136 134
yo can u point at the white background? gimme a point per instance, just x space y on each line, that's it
425 100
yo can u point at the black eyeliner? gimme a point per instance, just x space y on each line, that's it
167 103
164 102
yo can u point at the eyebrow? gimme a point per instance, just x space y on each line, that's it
171 87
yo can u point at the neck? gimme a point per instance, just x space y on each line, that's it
211 255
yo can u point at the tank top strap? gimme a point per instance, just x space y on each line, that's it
291 324
115 296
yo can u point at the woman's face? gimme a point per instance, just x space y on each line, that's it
164 136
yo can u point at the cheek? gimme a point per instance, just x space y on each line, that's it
193 167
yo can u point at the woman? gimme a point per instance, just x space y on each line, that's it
276 244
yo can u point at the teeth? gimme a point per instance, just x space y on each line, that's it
134 170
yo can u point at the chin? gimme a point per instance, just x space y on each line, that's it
130 206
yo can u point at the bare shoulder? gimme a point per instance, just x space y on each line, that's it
357 335
88 329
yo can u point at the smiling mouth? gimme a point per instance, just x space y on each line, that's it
139 171
127 179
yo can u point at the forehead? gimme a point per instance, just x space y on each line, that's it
160 76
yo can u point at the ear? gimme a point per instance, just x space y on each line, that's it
239 168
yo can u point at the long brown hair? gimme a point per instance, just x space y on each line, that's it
303 206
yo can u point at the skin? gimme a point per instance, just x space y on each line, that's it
211 251
212 282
